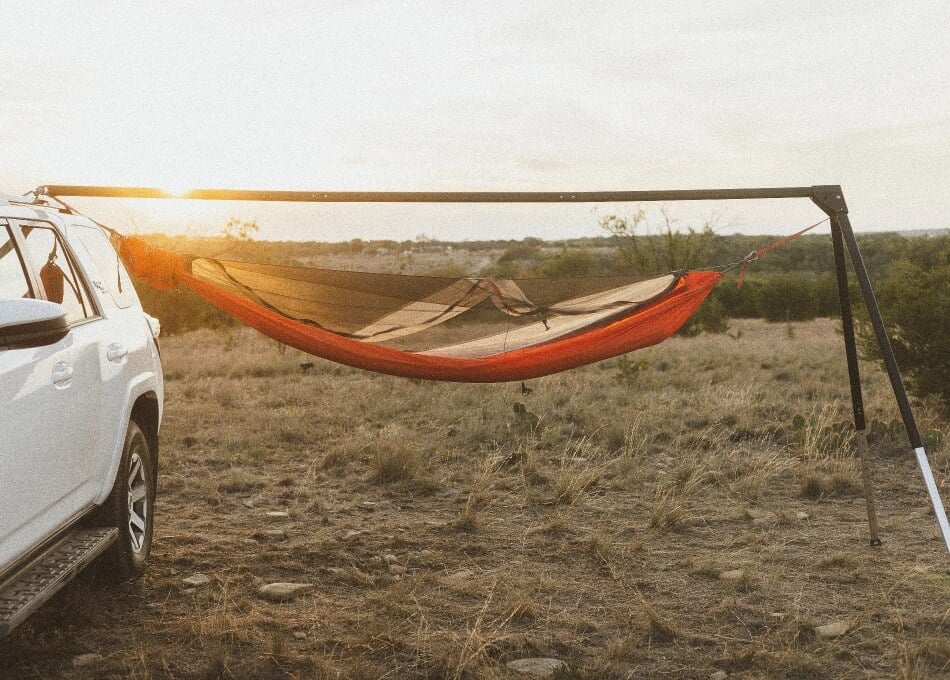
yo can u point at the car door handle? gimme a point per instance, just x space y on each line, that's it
62 374
116 352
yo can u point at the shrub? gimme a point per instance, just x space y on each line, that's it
521 251
572 262
786 298
914 298
669 250
710 318
780 297
666 251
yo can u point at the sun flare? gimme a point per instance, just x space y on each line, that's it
176 190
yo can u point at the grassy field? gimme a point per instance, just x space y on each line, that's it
688 510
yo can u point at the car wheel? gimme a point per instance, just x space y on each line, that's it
129 508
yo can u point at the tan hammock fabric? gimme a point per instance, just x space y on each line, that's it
438 328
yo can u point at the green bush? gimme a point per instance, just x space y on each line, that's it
786 298
519 260
710 318
521 251
572 262
780 297
914 298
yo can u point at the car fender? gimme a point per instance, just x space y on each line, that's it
142 384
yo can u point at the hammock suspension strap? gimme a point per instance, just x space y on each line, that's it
756 254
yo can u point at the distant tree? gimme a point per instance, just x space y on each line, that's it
521 251
518 260
237 230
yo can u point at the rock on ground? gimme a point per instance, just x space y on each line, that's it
196 580
538 667
84 660
459 576
830 630
283 592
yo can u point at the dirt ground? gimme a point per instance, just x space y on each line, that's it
688 510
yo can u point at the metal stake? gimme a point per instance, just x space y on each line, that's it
867 481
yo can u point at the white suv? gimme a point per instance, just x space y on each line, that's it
80 406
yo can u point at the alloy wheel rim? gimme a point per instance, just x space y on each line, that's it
137 501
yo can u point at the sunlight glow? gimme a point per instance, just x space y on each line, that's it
176 191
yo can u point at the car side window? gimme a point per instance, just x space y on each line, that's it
56 272
114 276
13 280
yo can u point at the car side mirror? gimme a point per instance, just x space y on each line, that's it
25 322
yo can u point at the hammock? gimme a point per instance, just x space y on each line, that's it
436 328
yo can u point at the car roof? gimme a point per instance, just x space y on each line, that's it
12 198
28 207
30 200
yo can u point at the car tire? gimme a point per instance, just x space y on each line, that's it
129 508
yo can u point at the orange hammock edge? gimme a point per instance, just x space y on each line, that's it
648 325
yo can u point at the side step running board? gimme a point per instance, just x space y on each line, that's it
39 580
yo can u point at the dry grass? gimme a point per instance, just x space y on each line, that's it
646 530
394 463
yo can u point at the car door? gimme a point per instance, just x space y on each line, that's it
127 353
49 396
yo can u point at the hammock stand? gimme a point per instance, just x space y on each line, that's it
829 198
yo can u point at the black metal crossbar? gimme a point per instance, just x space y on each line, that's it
428 196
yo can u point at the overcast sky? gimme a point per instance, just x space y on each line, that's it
457 96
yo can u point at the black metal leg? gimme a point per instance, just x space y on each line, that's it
854 376
890 363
